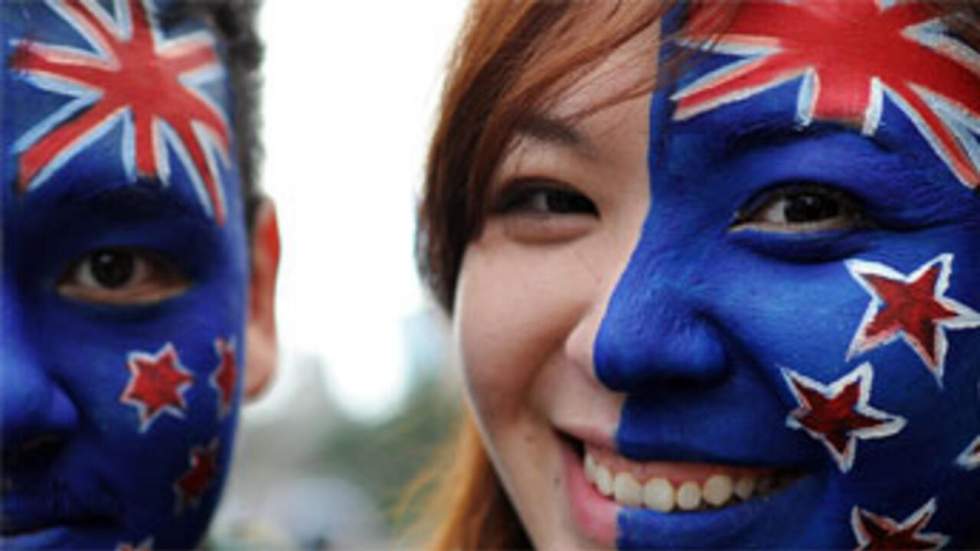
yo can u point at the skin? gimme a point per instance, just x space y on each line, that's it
84 466
667 333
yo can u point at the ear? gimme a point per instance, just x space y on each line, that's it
261 347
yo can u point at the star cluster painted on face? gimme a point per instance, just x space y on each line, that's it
874 531
901 50
157 385
838 414
135 76
912 307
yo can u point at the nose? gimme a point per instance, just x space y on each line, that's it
658 329
37 414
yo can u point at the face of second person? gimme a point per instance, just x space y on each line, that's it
742 312
125 273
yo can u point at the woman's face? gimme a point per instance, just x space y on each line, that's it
743 311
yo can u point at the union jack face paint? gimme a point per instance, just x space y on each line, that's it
804 278
124 275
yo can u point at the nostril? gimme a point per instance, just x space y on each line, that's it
38 418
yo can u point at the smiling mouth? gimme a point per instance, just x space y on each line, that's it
679 487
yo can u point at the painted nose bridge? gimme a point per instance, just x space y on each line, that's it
35 411
657 330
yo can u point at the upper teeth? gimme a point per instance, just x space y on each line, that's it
660 494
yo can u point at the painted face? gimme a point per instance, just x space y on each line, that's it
124 276
777 347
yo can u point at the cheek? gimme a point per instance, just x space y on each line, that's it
517 310
156 395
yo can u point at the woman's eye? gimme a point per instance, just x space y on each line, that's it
122 276
801 208
545 200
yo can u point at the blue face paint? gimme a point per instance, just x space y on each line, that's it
124 276
841 355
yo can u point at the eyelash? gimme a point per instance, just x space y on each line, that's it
847 208
520 195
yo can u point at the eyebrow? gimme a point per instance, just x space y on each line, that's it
143 200
552 130
773 131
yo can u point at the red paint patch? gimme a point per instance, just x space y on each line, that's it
224 376
192 485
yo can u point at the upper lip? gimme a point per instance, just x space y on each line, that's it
692 452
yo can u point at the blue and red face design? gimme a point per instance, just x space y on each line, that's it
124 275
804 294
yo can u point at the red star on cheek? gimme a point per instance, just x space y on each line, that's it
191 485
838 414
970 458
224 376
913 308
879 532
156 385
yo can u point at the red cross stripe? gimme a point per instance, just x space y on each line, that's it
911 307
203 470
879 532
157 384
849 54
224 376
838 414
134 75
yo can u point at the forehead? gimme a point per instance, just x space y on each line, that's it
848 63
101 95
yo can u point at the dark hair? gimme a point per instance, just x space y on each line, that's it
235 23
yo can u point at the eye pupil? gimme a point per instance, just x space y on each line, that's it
810 207
112 269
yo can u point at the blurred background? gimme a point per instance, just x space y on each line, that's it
365 389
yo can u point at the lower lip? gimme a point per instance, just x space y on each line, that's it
594 514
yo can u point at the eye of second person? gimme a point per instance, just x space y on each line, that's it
809 207
801 208
112 269
122 276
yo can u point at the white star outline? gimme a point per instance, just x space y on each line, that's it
925 512
220 346
863 374
966 317
969 459
145 545
147 420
